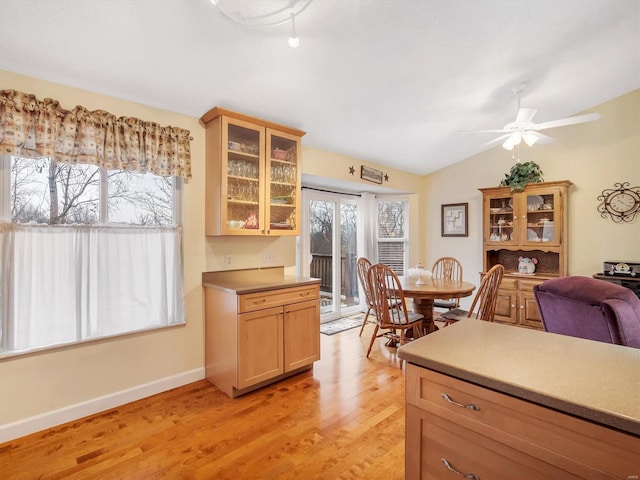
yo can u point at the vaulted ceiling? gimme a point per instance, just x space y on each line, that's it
387 81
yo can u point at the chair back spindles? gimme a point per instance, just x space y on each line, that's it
389 306
447 268
362 267
485 299
487 295
387 292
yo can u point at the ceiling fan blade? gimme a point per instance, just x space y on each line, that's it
532 137
525 115
544 139
588 117
483 131
495 141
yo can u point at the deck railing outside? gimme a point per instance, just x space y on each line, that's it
321 267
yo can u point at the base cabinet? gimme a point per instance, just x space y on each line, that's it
516 303
260 345
258 338
479 433
301 334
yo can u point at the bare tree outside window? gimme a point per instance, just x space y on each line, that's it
321 224
391 221
140 199
50 192
392 231
45 191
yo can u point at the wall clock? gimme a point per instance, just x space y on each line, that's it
621 203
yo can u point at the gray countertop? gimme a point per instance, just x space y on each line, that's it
254 280
593 380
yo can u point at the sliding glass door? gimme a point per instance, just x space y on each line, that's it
330 250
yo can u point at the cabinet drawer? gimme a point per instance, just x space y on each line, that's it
511 283
470 453
575 445
251 302
529 284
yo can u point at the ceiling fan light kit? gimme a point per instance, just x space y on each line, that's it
523 128
264 14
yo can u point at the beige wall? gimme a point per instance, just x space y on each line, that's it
42 382
333 166
593 156
91 375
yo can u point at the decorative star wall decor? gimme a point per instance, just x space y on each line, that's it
352 170
386 177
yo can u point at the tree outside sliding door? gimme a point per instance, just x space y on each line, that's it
332 241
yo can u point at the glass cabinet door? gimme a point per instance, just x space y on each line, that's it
283 169
242 178
540 211
502 221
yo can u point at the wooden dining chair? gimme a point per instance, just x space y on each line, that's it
485 299
362 267
385 291
451 269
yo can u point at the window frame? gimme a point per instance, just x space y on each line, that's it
404 239
103 223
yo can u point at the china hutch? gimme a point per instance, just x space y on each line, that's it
531 223
253 174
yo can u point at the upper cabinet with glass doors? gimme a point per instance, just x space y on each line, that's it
533 217
252 177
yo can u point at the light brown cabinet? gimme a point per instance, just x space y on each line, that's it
516 303
457 426
530 223
253 174
252 339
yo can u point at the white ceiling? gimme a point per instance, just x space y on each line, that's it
388 81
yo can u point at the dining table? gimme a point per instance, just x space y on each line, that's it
424 290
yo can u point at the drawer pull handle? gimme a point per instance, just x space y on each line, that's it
304 294
262 300
470 476
470 406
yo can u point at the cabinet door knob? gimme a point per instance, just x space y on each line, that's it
470 476
470 406
513 306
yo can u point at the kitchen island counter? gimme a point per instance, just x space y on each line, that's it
593 380
495 401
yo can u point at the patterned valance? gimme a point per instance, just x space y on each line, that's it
31 127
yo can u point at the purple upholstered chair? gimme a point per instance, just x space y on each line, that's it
589 308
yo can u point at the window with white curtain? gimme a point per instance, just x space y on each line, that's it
86 253
393 235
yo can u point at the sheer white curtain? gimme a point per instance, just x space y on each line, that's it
108 281
369 226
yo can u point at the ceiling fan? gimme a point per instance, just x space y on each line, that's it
523 128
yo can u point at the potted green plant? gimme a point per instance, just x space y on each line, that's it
521 174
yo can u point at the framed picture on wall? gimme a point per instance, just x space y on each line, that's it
370 174
454 220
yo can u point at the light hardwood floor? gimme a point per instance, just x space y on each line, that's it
343 420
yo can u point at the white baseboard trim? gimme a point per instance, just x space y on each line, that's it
11 431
